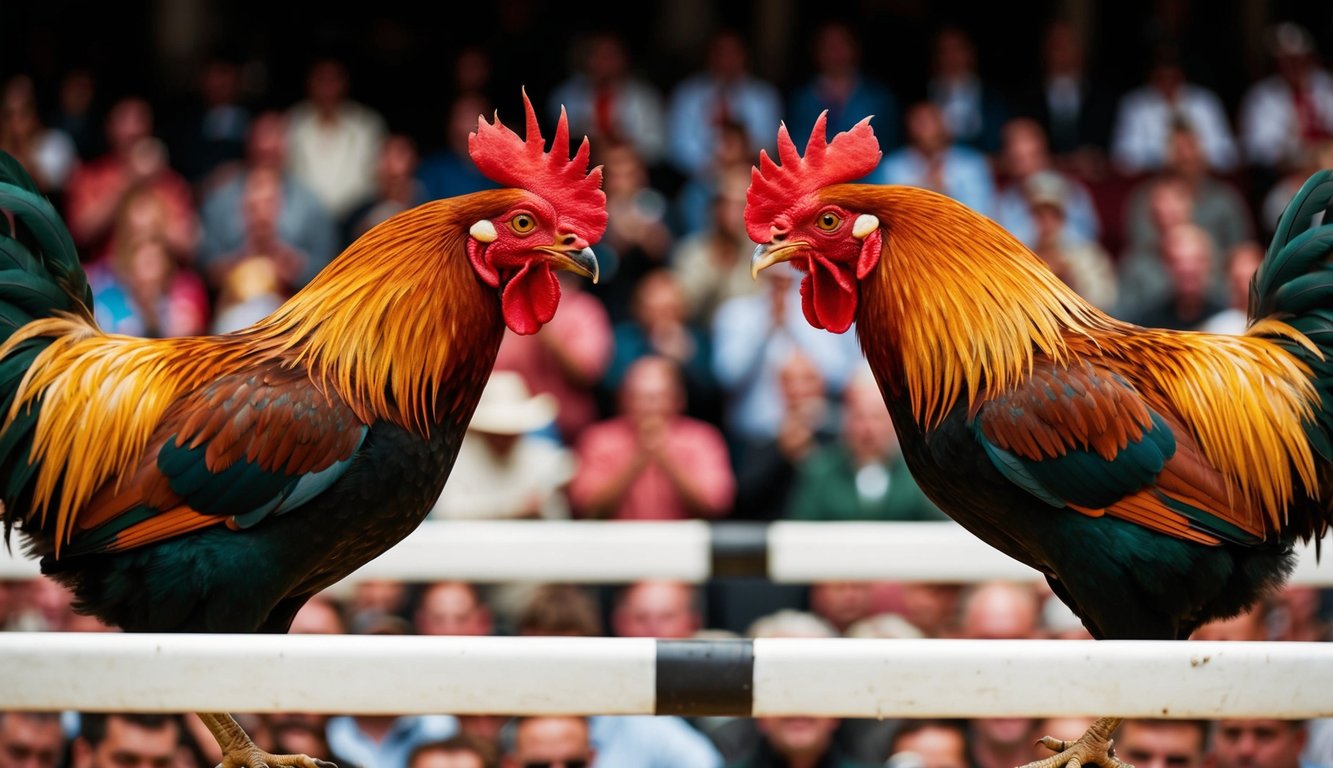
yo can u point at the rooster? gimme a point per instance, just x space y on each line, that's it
1158 479
213 484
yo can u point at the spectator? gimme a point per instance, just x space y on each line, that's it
933 160
929 744
251 290
843 87
448 171
386 741
44 605
1079 261
638 238
376 604
142 288
608 101
1283 115
1242 263
1146 115
754 336
1163 743
460 751
1072 107
134 158
47 153
1216 204
998 610
1025 155
396 187
972 110
262 203
1295 615
505 468
1143 277
694 206
562 610
772 742
79 111
842 603
114 740
452 608
557 741
297 733
210 130
333 141
1188 255
712 260
658 326
628 741
724 90
663 609
767 469
566 358
263 209
31 740
1258 743
863 475
651 461
319 615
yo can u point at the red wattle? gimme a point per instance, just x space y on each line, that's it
530 299
828 296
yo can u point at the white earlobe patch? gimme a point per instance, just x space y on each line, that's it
484 231
864 225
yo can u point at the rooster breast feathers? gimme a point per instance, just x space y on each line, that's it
254 440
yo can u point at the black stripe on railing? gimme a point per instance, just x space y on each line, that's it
739 549
705 677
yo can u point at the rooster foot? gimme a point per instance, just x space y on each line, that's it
239 750
1093 747
254 757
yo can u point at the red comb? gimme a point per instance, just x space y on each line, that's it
564 183
775 189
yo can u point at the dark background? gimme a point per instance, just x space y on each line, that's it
401 52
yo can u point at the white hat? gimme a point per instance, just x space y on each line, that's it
507 408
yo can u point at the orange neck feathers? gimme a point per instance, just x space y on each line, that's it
958 305
395 320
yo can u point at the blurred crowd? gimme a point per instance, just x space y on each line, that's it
678 387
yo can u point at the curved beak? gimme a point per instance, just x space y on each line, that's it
768 254
579 261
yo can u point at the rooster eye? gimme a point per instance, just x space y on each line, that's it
523 223
828 221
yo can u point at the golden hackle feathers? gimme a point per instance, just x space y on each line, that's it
963 308
950 311
388 328
371 325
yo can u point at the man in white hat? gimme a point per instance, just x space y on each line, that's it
506 467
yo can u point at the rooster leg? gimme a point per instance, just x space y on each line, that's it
239 751
1094 746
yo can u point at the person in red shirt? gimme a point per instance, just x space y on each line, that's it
651 462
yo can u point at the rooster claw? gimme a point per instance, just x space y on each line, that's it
1093 748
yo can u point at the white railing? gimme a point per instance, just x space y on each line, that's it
618 552
538 675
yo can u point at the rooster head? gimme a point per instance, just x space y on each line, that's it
791 220
560 214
